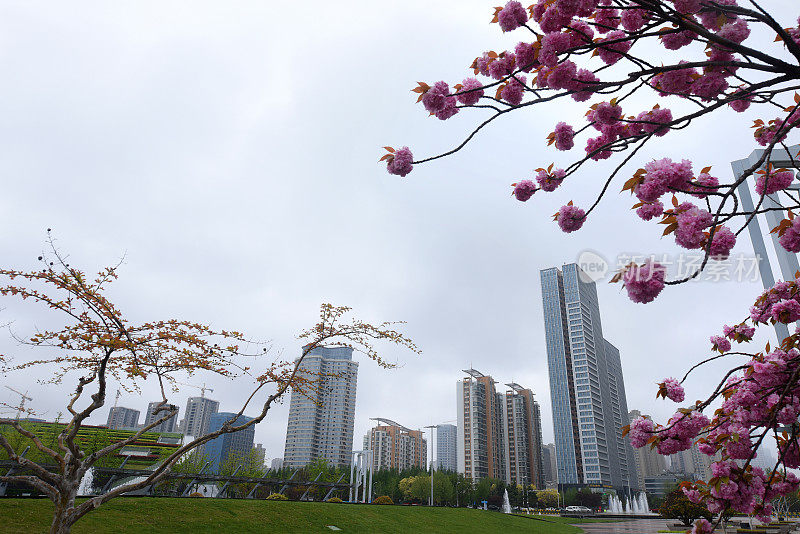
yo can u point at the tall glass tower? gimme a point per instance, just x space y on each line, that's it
586 385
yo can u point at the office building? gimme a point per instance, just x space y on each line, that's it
321 415
170 425
785 263
586 385
446 449
276 463
549 461
522 438
394 446
260 453
121 417
220 449
197 417
648 462
480 427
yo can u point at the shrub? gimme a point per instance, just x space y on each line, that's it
277 497
334 500
383 499
196 494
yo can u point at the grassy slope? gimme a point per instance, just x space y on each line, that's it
20 516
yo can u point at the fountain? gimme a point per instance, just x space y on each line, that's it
506 504
85 487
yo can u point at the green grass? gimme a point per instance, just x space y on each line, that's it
144 515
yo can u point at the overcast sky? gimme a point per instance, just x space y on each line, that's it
229 152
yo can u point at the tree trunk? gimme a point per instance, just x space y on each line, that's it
61 523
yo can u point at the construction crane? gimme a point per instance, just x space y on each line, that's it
202 388
116 399
24 397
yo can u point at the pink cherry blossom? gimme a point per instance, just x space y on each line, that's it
720 343
769 183
641 430
524 190
564 136
550 181
722 243
514 90
400 164
470 92
512 16
644 282
648 211
674 390
614 51
570 218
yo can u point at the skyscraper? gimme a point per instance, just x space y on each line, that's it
522 438
648 462
197 416
121 417
586 384
549 461
394 446
222 447
446 447
167 426
321 417
480 427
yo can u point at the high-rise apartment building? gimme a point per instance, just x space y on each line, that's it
446 449
522 438
321 417
692 464
121 417
480 427
586 384
648 462
167 426
394 446
220 449
197 416
498 435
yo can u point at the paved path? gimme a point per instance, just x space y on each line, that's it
635 526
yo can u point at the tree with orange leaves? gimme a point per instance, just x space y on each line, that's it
98 343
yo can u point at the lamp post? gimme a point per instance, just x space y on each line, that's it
432 427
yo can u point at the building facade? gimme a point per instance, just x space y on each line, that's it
197 417
321 417
446 449
170 425
549 461
522 438
394 446
222 447
692 464
480 427
586 384
649 463
121 417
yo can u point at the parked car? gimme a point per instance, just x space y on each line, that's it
578 510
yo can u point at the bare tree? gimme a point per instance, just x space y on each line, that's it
98 343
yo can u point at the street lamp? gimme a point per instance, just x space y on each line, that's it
432 465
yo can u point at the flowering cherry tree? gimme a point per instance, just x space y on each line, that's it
612 54
98 343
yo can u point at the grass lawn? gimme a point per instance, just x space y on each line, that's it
148 515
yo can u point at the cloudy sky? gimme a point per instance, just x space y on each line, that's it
229 152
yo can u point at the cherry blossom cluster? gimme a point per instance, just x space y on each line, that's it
761 400
567 46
